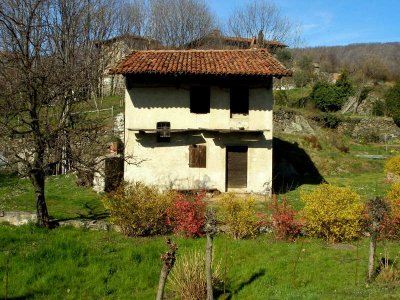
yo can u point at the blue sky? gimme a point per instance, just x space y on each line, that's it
329 22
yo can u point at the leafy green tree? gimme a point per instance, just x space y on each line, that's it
392 100
344 88
331 97
325 97
305 63
284 56
301 78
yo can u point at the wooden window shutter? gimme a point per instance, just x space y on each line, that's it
197 156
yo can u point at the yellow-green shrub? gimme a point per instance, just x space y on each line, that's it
139 210
392 165
331 212
393 198
239 214
390 227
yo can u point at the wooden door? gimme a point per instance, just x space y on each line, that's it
236 167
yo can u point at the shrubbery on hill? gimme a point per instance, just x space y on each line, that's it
392 100
331 97
392 166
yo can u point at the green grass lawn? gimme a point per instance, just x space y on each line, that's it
65 200
67 263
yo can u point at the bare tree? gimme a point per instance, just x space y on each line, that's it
178 22
263 16
48 67
132 17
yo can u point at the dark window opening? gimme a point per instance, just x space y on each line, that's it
239 101
197 156
163 132
200 100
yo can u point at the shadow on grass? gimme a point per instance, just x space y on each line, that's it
90 215
292 167
230 293
7 178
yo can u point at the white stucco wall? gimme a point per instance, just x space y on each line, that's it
145 106
167 164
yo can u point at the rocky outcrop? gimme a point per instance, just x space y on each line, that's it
291 122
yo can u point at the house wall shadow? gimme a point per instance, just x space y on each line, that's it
292 167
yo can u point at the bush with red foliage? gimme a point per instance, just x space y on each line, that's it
284 223
390 228
187 215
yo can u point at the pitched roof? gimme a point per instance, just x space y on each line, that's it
254 62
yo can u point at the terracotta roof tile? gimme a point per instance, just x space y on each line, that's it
255 62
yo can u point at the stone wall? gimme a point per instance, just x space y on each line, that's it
17 217
365 129
371 129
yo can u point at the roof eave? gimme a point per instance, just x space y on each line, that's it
117 72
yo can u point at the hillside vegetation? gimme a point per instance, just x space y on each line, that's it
379 61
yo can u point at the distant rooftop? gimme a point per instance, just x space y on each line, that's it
215 37
129 37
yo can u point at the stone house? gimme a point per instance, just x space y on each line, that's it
200 119
114 50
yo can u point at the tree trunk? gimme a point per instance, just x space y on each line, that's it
209 247
169 260
163 279
372 251
37 179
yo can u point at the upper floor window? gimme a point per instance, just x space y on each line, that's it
200 99
163 132
239 100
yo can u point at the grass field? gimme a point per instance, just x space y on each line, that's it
68 263
65 200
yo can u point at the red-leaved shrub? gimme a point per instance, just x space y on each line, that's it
187 215
390 227
284 223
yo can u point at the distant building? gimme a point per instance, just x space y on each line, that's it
215 40
114 50
200 119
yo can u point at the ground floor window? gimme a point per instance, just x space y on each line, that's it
197 156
